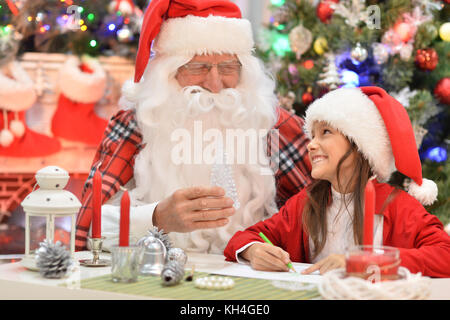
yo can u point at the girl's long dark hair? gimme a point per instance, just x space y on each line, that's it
319 198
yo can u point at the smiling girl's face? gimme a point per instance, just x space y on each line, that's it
327 147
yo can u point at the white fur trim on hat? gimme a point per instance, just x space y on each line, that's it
192 35
425 193
351 112
81 86
16 94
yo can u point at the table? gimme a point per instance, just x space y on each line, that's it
16 282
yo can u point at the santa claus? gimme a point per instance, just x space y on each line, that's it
199 91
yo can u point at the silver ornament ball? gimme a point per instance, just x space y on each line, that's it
178 255
359 53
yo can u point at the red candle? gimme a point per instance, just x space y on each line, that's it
97 205
124 220
369 211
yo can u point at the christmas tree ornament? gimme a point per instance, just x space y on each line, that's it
330 77
172 273
178 255
307 97
161 235
404 30
300 40
292 68
442 90
392 41
324 11
428 6
222 176
83 84
444 31
380 52
427 59
155 255
406 51
53 260
214 283
320 45
308 64
353 11
359 53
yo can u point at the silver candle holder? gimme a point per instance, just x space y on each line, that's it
126 263
96 248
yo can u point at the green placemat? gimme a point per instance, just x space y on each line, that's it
244 289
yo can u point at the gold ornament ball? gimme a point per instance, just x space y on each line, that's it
444 31
320 45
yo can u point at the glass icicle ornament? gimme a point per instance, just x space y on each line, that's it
222 176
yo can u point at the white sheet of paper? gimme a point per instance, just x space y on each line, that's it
246 271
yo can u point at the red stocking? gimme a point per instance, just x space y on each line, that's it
82 86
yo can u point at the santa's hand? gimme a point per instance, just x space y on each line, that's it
266 257
333 261
193 208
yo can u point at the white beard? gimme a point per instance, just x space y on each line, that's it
157 176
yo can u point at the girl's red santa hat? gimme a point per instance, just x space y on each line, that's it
192 27
381 129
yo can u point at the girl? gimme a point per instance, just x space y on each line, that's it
356 134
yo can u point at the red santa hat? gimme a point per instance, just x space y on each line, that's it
192 27
381 129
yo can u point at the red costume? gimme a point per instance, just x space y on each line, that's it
424 245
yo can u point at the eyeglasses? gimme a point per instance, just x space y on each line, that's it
203 68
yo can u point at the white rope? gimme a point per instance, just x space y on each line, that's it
335 286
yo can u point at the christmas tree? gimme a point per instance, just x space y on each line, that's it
93 27
314 46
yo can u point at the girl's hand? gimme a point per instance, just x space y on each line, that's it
266 257
333 261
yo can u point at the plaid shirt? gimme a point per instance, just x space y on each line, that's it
122 142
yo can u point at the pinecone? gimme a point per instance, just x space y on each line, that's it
53 260
159 234
172 273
